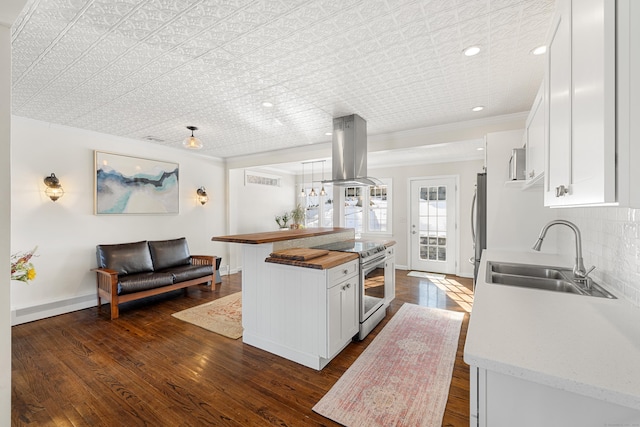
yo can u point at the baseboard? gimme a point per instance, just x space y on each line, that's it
53 308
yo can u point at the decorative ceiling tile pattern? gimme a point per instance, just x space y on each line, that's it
149 68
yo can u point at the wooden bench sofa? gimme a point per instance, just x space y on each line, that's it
130 271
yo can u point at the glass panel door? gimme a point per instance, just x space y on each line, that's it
433 225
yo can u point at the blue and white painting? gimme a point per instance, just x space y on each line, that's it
132 185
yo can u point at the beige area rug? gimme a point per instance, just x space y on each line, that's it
222 316
403 377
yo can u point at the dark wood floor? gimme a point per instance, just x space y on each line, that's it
149 369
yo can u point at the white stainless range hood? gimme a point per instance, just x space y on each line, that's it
349 158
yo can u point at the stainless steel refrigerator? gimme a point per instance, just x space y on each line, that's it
479 222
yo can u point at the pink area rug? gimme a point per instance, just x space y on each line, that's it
222 316
403 377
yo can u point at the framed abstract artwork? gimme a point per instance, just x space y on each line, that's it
133 185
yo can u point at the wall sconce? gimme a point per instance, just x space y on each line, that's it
54 190
202 195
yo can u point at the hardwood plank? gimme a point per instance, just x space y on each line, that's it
148 368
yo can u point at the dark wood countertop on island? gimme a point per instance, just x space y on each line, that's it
278 236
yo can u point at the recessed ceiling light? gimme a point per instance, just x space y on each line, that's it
328 133
471 50
540 50
478 108
480 148
267 104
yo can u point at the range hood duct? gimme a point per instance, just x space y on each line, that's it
349 153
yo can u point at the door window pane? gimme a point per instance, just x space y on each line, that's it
433 223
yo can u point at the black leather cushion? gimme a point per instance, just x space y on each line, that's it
125 258
169 253
143 281
188 272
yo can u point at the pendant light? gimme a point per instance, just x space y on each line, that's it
313 190
191 142
322 192
302 193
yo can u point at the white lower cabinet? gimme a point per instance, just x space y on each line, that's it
303 314
342 314
499 400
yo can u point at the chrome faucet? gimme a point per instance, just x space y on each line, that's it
580 274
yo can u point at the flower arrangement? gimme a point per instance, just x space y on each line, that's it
283 220
297 215
21 266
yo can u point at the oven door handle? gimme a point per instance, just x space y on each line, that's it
374 261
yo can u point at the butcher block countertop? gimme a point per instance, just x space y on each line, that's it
323 262
278 236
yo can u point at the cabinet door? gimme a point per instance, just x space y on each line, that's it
593 107
558 94
581 140
342 315
535 138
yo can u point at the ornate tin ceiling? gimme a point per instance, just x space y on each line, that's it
147 69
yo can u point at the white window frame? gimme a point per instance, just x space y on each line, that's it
339 209
304 202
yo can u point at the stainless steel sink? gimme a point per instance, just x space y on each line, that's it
526 270
541 277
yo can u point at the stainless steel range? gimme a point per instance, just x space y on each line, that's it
372 280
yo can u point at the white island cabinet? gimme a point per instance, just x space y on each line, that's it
553 359
307 311
312 314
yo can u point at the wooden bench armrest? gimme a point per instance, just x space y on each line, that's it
203 260
107 271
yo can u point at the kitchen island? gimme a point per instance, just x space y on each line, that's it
305 313
550 358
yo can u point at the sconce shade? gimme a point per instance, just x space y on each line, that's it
202 195
54 190
191 142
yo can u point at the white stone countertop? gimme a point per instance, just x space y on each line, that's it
586 345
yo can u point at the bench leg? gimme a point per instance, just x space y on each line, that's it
114 310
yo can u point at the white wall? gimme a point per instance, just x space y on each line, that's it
9 10
253 207
67 231
466 171
514 217
5 223
611 242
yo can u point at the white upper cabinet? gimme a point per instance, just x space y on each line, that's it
534 139
582 84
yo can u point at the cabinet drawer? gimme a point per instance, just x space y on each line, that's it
342 272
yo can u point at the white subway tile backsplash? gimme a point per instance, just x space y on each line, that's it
611 242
